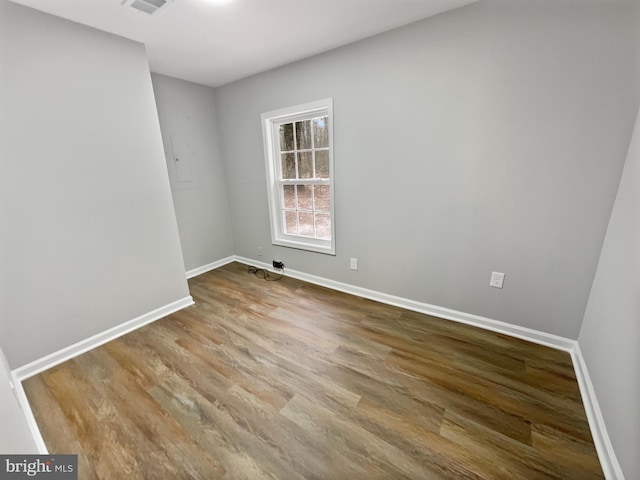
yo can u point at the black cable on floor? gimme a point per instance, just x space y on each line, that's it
264 274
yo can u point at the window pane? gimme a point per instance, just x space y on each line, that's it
305 165
322 164
321 193
323 226
321 132
305 197
290 223
289 197
288 165
286 137
303 134
306 224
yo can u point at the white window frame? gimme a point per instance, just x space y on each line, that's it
271 122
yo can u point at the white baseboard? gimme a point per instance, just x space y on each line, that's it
21 397
42 364
101 338
535 336
210 266
21 400
606 454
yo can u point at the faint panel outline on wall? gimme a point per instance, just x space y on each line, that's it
182 159
182 164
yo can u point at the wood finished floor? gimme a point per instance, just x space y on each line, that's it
287 380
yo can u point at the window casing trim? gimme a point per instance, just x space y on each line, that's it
270 125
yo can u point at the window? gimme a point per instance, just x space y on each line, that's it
298 144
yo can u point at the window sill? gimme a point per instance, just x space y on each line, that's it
312 246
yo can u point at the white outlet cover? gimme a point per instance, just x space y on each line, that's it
497 279
354 264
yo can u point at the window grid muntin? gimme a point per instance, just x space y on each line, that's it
298 181
297 210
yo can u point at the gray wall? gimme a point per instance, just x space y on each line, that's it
187 110
89 237
611 330
487 138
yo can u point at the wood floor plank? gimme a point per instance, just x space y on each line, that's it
245 455
365 453
516 459
288 380
53 425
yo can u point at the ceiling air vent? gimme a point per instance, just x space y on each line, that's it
147 6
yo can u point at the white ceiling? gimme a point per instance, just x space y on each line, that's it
215 43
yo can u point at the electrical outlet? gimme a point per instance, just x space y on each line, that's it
259 251
354 264
497 279
277 264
